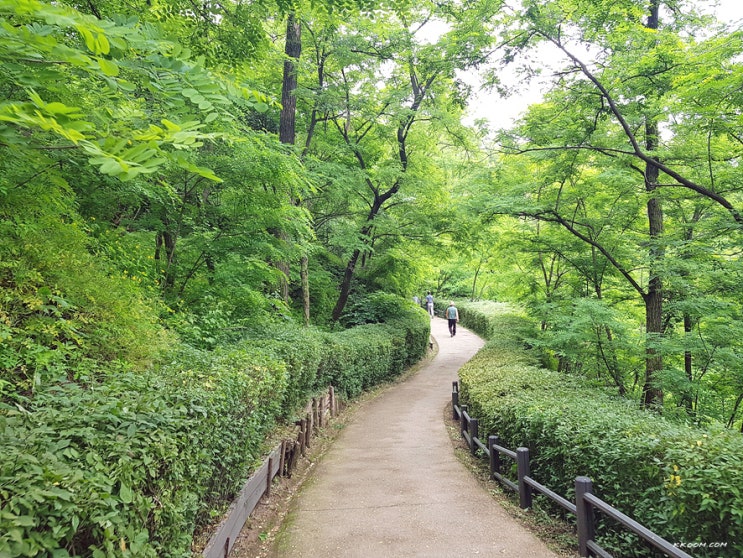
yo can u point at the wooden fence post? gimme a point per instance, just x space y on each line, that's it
296 450
303 435
310 430
494 455
454 399
474 433
522 464
282 458
315 420
584 514
333 410
463 420
269 477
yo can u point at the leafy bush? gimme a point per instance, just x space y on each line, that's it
61 309
681 482
133 465
485 317
302 350
358 358
377 308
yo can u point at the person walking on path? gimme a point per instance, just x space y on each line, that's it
429 304
391 485
452 315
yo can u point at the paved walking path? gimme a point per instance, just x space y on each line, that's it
391 486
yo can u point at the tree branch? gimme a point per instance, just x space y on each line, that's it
554 217
637 150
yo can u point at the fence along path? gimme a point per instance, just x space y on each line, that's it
391 486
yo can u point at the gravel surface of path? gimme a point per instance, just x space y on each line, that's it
391 486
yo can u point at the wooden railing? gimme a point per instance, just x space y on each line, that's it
585 500
281 461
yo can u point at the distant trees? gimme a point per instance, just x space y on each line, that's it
613 146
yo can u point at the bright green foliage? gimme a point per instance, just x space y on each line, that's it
155 452
377 308
303 350
580 255
396 335
61 309
130 100
683 483
132 465
145 204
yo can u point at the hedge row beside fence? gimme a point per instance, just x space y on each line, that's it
682 482
134 465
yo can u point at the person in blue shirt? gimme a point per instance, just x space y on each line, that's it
452 314
429 303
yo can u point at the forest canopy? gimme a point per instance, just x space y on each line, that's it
177 172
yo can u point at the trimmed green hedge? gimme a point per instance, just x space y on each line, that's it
129 468
135 465
683 483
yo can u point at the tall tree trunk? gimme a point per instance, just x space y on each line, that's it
686 399
166 240
652 393
293 50
287 135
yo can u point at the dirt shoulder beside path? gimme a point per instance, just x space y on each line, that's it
390 483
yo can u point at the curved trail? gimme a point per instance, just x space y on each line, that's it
390 486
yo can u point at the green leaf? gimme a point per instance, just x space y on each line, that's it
109 68
125 493
102 44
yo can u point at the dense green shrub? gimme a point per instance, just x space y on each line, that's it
378 308
417 334
61 309
133 465
301 349
486 317
681 482
358 358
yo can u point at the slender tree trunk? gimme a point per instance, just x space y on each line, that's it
652 392
686 400
474 281
166 240
346 285
731 421
287 135
304 273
